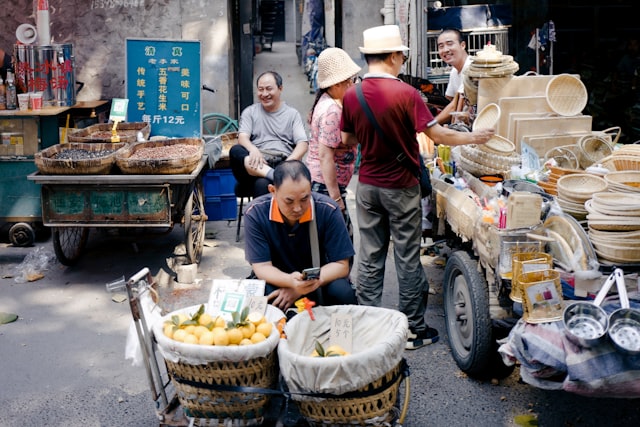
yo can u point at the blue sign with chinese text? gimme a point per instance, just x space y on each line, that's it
163 86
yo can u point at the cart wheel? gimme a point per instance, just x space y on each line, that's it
69 242
194 223
466 307
21 234
217 124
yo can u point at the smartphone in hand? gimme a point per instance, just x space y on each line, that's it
311 273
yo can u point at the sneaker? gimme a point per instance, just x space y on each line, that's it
417 340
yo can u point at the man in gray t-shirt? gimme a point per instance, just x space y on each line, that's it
270 132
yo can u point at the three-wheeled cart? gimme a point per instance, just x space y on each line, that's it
477 307
73 204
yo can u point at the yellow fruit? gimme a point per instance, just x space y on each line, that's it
246 341
258 337
235 335
220 336
219 322
191 339
335 350
190 328
180 335
314 353
206 338
256 318
205 319
248 329
168 330
265 328
199 330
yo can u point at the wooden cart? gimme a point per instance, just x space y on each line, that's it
72 204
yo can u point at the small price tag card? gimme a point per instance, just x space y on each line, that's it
257 304
118 110
341 331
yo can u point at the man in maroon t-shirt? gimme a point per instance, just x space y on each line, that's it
388 194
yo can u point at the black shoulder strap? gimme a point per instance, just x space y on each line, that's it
402 157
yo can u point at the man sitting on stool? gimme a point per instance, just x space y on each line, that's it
270 132
278 241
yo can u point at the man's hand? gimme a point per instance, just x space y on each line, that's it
284 298
255 160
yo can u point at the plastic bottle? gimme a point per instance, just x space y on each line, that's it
11 92
3 95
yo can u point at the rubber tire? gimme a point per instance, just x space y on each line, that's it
69 243
194 223
467 318
22 235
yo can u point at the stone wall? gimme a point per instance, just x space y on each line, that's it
98 29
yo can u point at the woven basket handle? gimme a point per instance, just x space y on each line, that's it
614 132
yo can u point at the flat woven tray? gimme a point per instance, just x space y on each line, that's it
566 95
165 157
77 158
102 132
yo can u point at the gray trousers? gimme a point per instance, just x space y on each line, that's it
383 213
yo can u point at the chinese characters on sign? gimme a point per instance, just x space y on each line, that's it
163 86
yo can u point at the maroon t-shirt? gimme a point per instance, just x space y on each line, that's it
401 113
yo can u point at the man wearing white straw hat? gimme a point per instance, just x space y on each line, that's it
388 194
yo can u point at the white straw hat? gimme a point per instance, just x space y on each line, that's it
335 66
383 39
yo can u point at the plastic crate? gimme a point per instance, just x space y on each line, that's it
219 182
221 208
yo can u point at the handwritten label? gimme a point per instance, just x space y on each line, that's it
341 331
257 304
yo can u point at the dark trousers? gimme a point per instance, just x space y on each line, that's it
248 183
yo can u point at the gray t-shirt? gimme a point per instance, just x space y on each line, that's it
279 131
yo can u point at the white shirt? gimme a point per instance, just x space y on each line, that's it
456 84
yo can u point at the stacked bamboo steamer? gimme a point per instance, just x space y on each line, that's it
627 158
614 225
574 190
495 157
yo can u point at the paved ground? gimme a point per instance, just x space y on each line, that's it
63 360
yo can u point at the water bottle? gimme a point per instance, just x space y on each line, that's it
3 97
11 92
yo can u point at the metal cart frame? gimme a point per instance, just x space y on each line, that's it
72 204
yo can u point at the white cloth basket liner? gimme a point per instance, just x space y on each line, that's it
195 354
379 337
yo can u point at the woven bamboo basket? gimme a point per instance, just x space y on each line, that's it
380 397
580 186
204 377
624 181
624 162
360 388
228 140
198 401
102 132
48 163
565 156
170 156
566 95
593 148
